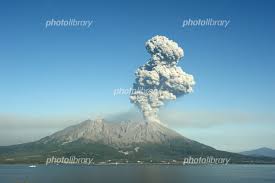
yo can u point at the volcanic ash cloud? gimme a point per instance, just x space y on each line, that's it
160 79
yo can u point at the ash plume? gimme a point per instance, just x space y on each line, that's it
160 79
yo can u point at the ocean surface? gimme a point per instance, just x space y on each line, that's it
137 173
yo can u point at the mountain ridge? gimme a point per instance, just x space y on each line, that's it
263 151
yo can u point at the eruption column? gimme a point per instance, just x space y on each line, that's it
160 78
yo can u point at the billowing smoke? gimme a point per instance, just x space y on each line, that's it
160 79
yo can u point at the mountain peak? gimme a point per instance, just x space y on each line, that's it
116 134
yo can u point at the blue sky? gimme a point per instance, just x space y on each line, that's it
60 72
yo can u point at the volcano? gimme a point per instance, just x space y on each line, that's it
125 141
